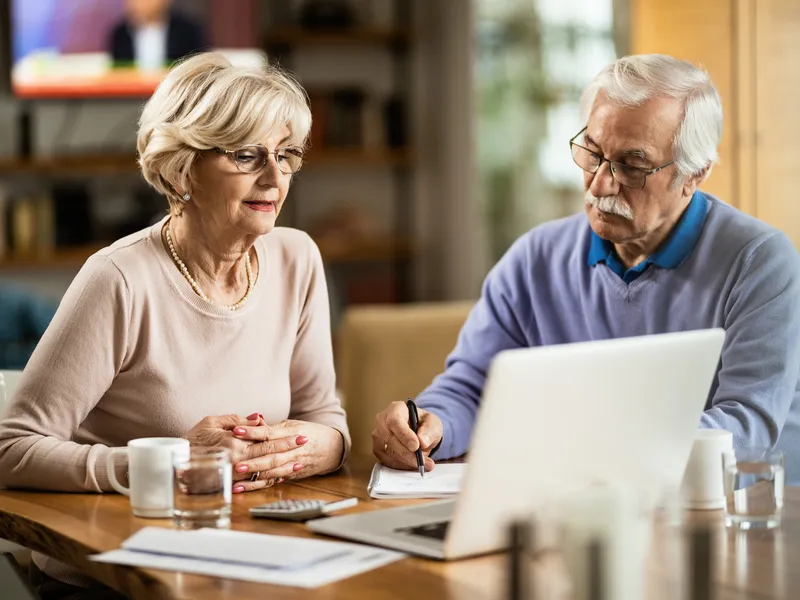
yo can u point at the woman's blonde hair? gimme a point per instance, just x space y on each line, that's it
205 102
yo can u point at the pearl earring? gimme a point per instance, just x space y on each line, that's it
186 197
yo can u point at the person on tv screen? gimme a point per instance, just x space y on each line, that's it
153 35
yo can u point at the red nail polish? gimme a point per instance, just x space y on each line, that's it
253 417
239 430
301 439
262 417
297 467
242 468
238 489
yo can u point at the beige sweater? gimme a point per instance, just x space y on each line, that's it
133 352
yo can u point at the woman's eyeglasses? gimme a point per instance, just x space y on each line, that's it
252 158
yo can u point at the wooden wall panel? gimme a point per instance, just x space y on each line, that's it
742 121
700 31
751 48
777 96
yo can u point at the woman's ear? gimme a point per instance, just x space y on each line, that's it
182 194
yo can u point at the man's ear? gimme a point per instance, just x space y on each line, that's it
691 184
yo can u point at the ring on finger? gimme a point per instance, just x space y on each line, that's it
254 476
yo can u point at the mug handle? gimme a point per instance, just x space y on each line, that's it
112 472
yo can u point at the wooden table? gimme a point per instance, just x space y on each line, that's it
755 565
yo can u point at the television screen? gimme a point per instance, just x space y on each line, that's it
118 48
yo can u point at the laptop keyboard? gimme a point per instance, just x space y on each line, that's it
436 531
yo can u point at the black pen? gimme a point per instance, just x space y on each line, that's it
413 421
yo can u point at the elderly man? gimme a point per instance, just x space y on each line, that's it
655 255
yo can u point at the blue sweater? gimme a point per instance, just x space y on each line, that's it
552 287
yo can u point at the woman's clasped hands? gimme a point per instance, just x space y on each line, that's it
264 455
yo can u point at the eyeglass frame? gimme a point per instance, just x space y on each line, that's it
231 153
610 162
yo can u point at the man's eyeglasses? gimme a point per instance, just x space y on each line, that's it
632 177
252 158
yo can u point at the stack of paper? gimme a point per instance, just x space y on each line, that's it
256 557
443 482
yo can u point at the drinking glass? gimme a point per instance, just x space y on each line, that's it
203 481
754 483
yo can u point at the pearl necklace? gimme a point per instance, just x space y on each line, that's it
194 283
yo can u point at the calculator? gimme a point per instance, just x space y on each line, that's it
300 510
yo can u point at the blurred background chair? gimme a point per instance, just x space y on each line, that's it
24 317
9 380
392 352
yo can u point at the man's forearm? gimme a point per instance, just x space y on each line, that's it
453 397
748 427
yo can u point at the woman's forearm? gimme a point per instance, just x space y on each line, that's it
32 461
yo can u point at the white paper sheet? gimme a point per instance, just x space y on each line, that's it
349 560
238 547
443 482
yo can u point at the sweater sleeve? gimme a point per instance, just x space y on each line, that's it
496 323
312 375
761 356
73 365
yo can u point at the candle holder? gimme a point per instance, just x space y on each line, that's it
701 564
534 571
598 544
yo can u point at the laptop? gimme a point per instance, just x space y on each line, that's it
555 420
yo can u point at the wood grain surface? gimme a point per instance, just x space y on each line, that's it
70 527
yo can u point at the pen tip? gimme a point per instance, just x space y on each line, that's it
422 472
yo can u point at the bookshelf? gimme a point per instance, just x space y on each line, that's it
98 164
389 157
347 37
54 184
358 77
84 164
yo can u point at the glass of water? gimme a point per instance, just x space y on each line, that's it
202 483
754 484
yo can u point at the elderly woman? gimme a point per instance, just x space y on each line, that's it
212 324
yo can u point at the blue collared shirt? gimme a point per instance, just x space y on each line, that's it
670 255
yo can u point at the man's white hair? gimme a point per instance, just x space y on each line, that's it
632 80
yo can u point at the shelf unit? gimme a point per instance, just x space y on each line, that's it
281 42
347 253
342 37
335 252
98 164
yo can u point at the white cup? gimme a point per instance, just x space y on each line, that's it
703 481
149 473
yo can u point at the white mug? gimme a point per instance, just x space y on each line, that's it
703 481
149 473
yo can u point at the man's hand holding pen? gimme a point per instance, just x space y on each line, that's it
394 442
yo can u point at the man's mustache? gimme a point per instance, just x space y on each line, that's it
613 205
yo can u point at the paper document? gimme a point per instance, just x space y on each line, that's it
238 547
443 482
332 561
